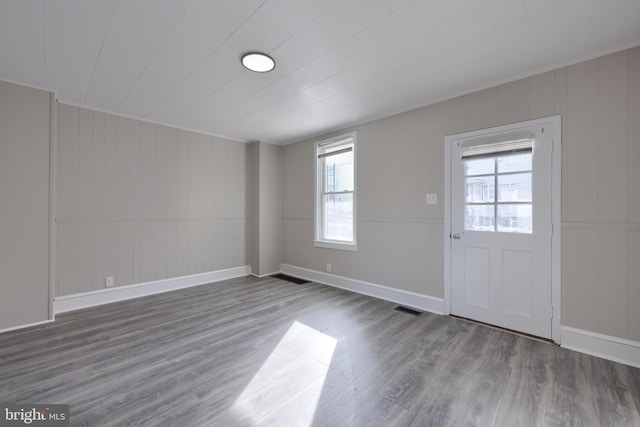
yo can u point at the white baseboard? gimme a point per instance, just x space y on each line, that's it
600 345
28 325
406 298
260 276
67 303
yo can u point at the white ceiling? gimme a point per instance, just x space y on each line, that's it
339 62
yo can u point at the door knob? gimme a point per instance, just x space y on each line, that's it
456 236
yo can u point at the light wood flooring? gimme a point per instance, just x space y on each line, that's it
268 352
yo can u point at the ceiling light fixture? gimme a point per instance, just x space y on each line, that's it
258 62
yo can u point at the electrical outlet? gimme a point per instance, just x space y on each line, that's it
108 282
432 199
328 268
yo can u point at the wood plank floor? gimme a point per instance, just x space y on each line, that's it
268 352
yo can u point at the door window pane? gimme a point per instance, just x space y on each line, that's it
480 189
479 218
499 186
480 166
338 217
514 187
515 218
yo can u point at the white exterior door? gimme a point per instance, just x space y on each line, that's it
501 228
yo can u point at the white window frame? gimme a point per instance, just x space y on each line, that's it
494 151
319 171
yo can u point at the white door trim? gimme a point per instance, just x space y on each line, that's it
556 202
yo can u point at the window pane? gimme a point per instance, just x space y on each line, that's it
515 218
479 167
480 189
338 217
514 188
517 163
479 218
338 171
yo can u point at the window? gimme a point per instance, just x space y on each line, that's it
507 167
336 193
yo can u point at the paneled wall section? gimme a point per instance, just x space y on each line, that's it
25 116
141 202
601 215
401 158
267 212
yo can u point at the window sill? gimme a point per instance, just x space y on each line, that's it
335 245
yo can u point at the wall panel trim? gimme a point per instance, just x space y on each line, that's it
67 303
53 201
411 299
605 226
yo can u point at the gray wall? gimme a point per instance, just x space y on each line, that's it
24 205
267 212
401 158
143 202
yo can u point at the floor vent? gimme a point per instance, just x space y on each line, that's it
408 310
290 279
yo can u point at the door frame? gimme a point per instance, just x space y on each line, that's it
556 202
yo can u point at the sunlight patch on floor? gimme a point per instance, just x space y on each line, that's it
288 385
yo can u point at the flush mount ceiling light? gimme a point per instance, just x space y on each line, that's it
258 62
